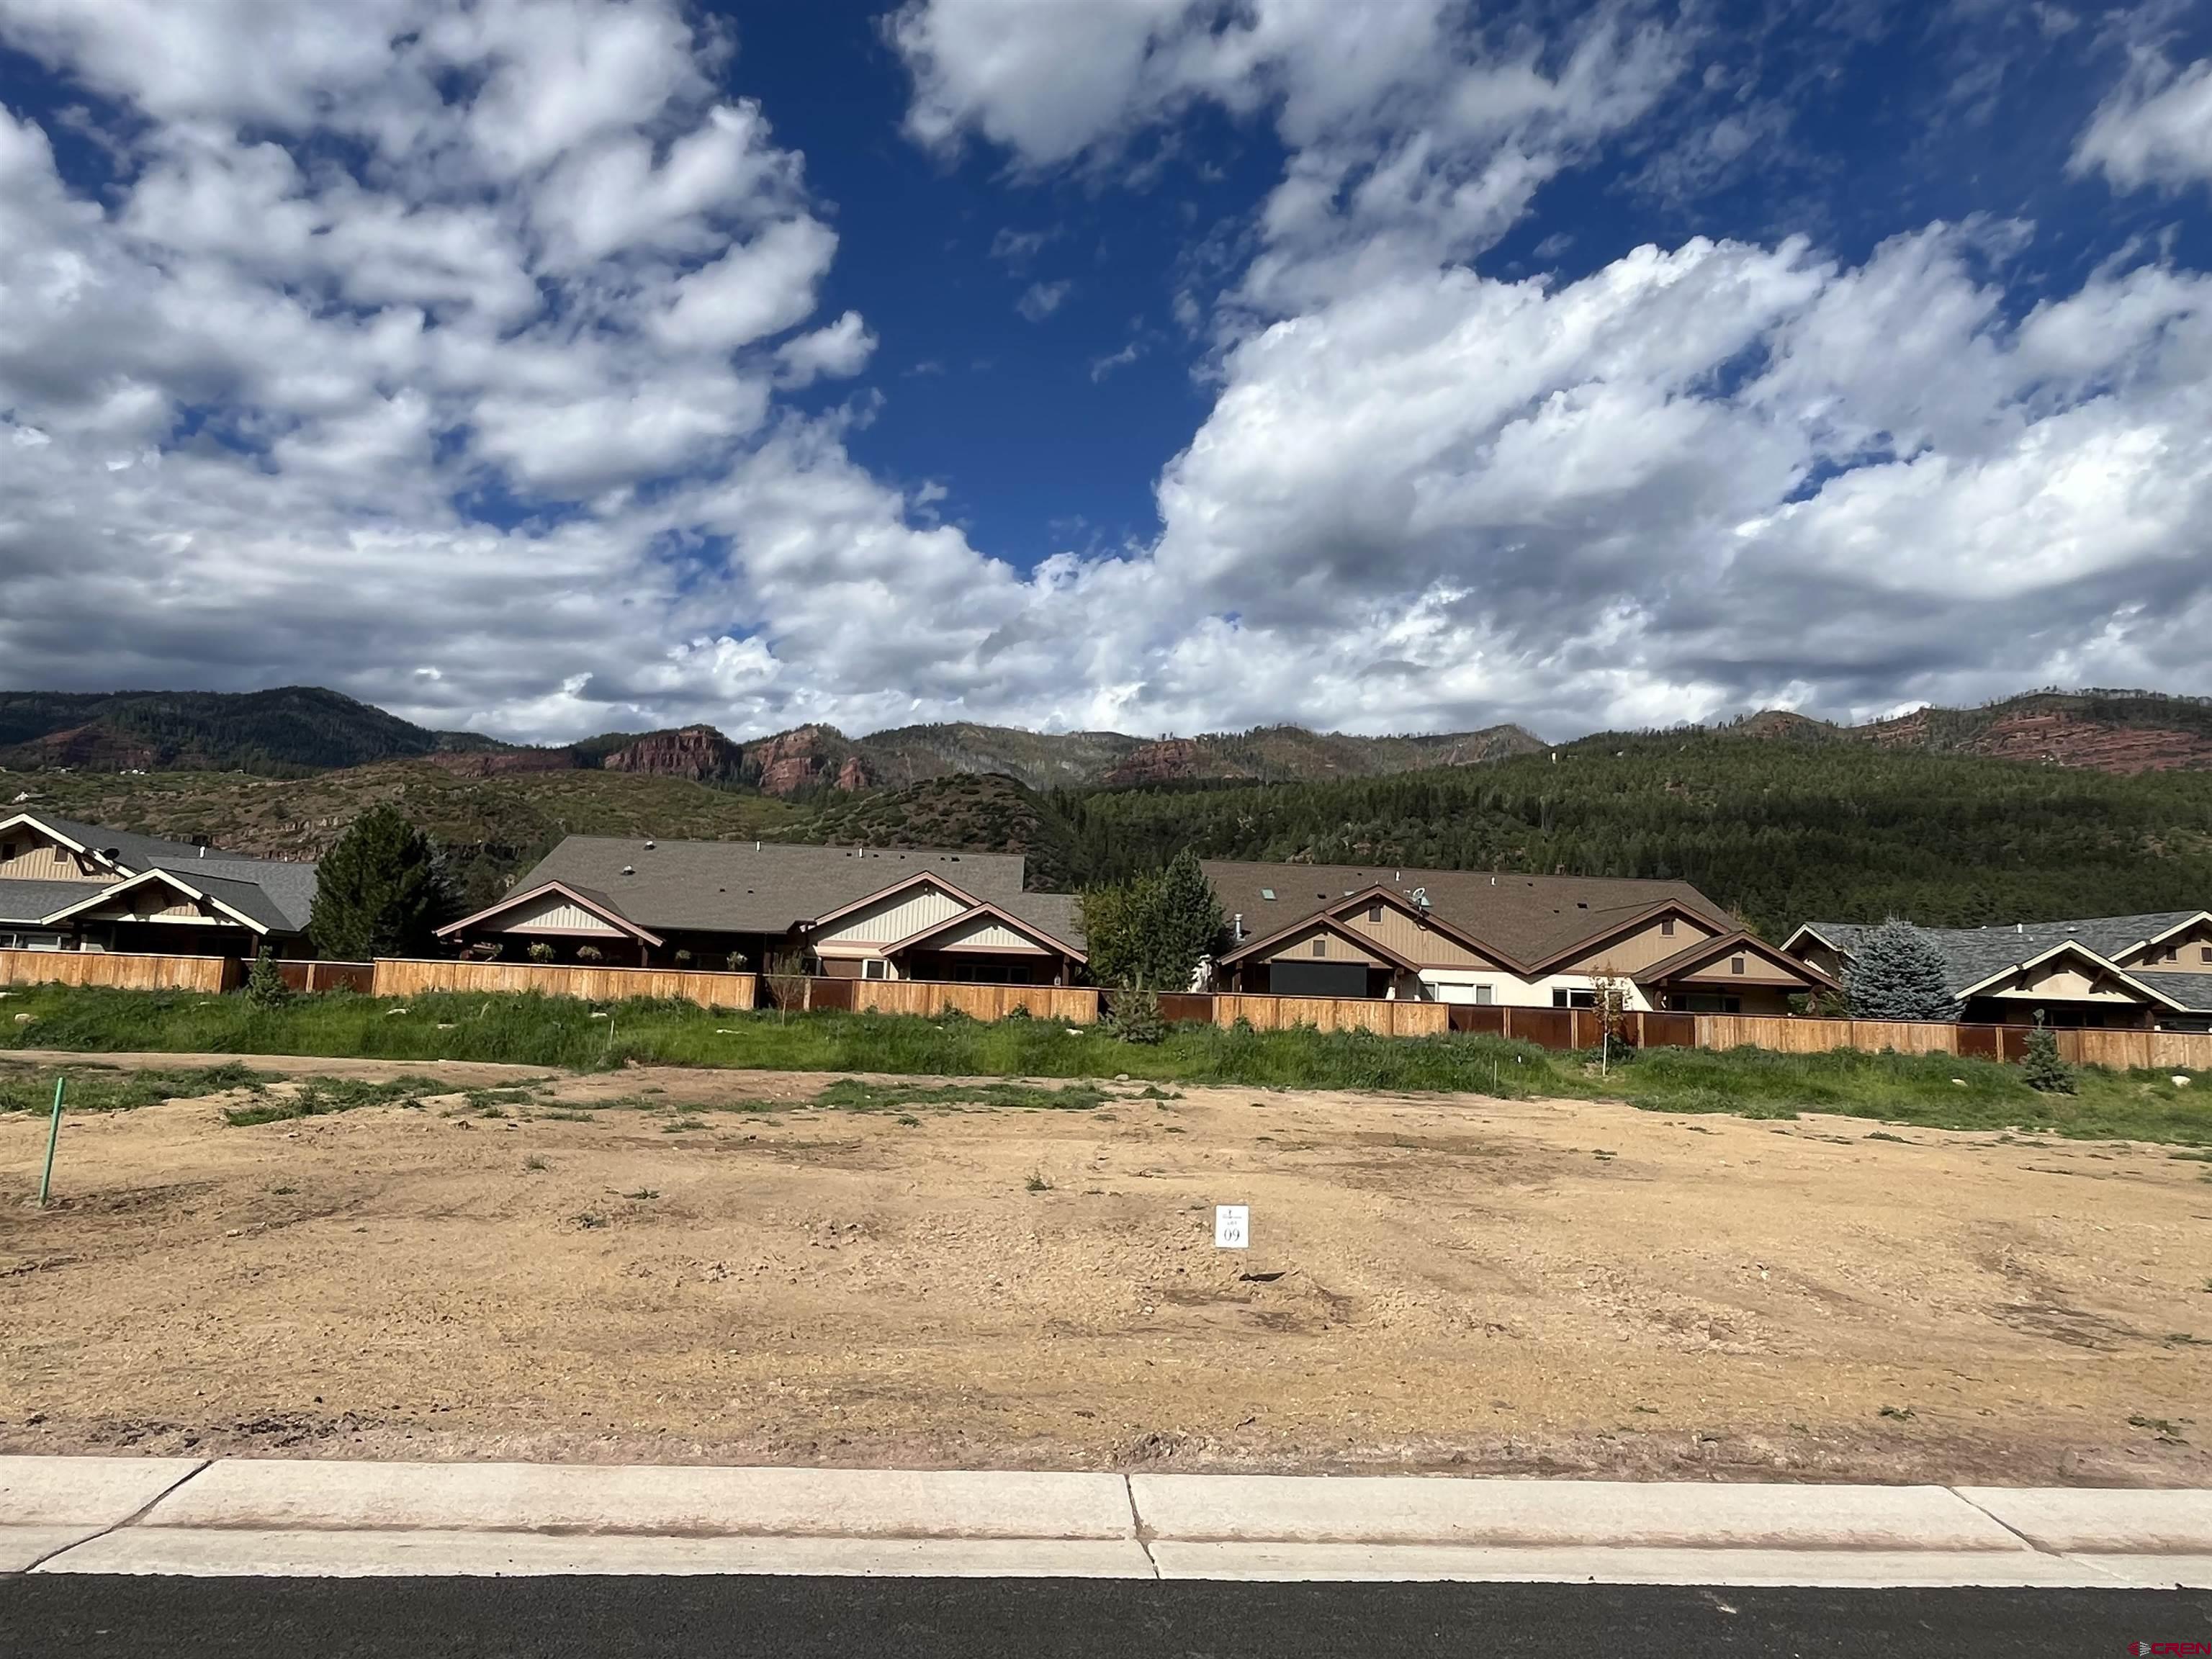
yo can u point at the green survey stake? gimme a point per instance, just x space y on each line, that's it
53 1134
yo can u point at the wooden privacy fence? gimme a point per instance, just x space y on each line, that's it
2120 1050
311 977
409 977
1385 1019
126 970
1069 1004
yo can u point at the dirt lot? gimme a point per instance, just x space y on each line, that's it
1435 1283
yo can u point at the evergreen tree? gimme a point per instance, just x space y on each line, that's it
1898 973
379 892
264 986
2042 1068
1190 920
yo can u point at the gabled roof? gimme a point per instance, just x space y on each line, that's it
286 885
1696 954
1365 897
1614 925
920 879
584 898
754 887
1030 930
2097 961
1518 919
1326 921
242 901
122 846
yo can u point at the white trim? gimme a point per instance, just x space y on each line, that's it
2076 946
115 889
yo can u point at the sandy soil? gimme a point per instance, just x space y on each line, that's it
1435 1283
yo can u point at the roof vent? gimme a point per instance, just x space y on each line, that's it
648 847
629 869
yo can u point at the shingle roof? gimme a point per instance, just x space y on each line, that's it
1970 955
287 886
22 901
135 850
1527 917
2192 991
1060 914
753 887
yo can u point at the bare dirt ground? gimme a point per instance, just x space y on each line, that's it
1434 1282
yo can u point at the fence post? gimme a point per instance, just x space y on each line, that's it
53 1134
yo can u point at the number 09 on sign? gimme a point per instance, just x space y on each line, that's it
1232 1226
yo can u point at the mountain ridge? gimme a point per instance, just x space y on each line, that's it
296 731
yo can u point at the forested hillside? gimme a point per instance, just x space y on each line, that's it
1782 832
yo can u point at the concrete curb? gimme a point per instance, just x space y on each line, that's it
331 1519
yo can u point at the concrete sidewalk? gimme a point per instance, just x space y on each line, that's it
306 1518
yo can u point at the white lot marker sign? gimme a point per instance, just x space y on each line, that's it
1232 1226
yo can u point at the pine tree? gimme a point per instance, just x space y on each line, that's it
1898 973
264 986
2042 1067
379 892
1190 921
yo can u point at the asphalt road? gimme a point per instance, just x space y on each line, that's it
923 1619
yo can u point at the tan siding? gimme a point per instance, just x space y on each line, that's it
552 913
984 933
2188 955
38 860
1405 934
2068 983
1299 948
1633 952
1757 970
891 919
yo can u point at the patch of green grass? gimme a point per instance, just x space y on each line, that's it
320 1097
852 1095
1919 1090
95 1088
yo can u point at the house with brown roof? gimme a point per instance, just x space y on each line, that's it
846 912
1493 936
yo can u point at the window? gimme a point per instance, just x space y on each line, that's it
1735 964
1565 999
2172 954
7 850
1267 892
1321 946
1485 994
874 968
1374 913
2204 953
1666 927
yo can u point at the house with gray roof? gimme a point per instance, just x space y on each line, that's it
70 886
2151 971
846 912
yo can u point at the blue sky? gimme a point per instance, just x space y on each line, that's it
549 366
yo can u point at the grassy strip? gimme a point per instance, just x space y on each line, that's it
95 1088
1935 1091
319 1097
